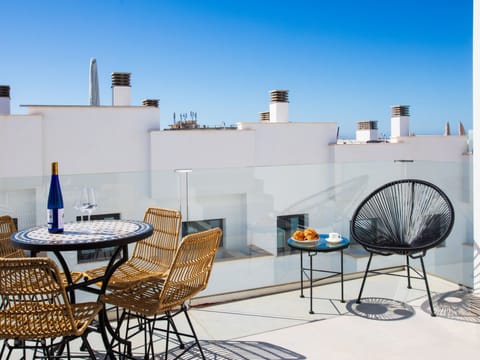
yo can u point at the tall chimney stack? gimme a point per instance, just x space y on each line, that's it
279 106
400 121
4 100
121 89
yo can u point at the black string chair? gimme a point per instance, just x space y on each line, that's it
404 217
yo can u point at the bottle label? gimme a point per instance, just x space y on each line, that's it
55 220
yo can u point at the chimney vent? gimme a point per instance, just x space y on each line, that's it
400 121
4 100
400 110
5 91
120 79
278 106
120 89
150 102
367 131
264 116
280 96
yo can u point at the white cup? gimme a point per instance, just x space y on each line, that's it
333 235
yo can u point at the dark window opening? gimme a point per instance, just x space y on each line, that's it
286 226
190 227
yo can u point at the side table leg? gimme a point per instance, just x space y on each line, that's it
301 274
341 273
311 284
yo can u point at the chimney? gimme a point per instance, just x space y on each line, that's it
264 116
4 100
120 89
367 131
279 106
400 121
150 102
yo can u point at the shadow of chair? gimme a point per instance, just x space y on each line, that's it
163 298
7 250
35 308
404 217
151 256
234 350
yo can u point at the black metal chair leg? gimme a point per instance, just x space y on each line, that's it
408 273
364 278
87 346
194 334
428 288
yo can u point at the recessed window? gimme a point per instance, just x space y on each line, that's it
286 225
102 254
190 227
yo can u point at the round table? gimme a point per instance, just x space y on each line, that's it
312 248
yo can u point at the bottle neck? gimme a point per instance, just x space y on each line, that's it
54 168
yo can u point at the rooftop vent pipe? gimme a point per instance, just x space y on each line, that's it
4 100
279 106
121 89
150 102
400 121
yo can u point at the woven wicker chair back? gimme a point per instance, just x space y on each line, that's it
159 249
191 268
33 296
7 228
404 216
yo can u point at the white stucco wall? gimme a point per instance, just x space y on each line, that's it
21 150
422 148
96 139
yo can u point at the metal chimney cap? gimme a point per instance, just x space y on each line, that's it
279 96
121 79
264 116
401 110
5 91
150 102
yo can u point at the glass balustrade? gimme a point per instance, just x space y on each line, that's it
258 208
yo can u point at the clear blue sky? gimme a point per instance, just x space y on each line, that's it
342 61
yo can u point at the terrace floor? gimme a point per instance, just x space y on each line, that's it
392 322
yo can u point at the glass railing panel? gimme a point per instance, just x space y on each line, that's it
258 209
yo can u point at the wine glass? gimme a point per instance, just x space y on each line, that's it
88 200
78 205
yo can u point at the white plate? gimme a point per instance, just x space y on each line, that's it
306 242
334 240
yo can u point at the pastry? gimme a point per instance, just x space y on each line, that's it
298 235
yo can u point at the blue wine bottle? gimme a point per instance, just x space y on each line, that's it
55 203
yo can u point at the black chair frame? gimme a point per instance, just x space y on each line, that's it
392 237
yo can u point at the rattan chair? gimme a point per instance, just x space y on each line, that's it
151 256
161 299
405 217
7 228
35 308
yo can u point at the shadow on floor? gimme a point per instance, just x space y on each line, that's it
238 350
381 309
458 304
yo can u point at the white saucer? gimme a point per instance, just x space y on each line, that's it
334 240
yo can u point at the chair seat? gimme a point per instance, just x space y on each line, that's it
29 320
132 271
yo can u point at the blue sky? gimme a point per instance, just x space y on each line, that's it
342 61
